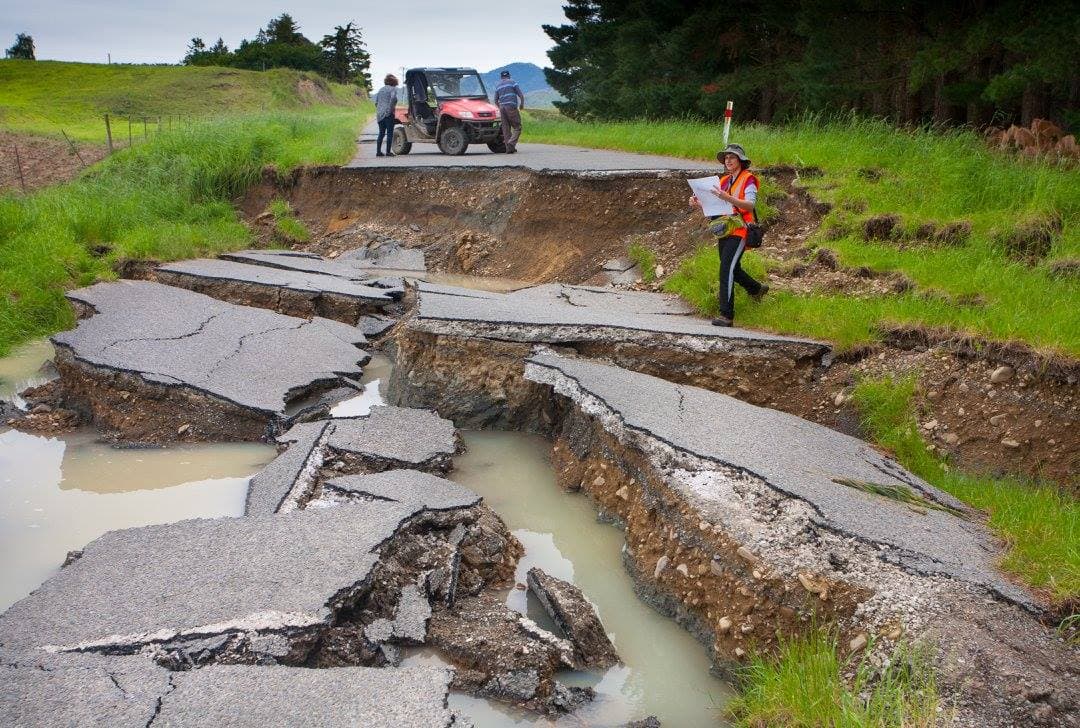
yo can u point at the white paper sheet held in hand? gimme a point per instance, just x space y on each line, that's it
702 188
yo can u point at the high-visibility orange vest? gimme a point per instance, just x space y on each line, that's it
736 190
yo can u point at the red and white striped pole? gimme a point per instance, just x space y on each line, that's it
727 120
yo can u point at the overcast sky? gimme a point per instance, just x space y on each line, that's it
397 32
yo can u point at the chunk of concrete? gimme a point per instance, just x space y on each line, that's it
291 292
169 345
389 255
408 487
792 456
375 325
238 695
576 617
410 622
296 468
285 573
80 691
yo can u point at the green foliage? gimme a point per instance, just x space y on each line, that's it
41 97
1039 523
911 63
23 48
645 259
287 226
803 686
920 175
164 200
340 55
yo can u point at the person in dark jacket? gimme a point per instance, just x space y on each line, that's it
385 103
510 100
739 187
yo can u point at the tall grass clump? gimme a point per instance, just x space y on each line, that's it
1039 523
168 199
923 176
804 686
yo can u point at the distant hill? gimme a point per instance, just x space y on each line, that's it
45 97
530 77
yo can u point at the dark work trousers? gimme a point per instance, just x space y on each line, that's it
386 127
511 126
731 250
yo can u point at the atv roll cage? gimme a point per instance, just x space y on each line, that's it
448 106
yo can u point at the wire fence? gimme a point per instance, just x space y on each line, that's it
30 161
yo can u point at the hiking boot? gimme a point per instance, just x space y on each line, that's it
760 294
722 321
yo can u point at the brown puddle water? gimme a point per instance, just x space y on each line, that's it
59 493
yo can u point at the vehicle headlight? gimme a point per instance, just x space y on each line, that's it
466 114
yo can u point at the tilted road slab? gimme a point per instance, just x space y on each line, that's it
790 455
558 313
292 292
256 361
388 437
359 264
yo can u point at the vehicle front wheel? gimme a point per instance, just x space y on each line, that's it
400 145
498 147
453 141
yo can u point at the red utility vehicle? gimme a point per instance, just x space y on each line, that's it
447 106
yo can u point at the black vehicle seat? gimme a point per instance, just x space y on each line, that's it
426 115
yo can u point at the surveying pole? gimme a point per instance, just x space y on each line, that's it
727 121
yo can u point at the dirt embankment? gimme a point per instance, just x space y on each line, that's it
1002 408
29 162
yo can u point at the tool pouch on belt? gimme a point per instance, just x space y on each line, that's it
725 225
755 235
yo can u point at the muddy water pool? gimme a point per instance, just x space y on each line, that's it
59 493
665 671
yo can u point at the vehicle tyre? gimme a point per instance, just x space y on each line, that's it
400 145
498 147
453 141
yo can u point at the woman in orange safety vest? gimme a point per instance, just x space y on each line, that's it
739 187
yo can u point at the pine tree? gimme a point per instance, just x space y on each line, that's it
346 58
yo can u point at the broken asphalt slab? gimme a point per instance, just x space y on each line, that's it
191 580
357 265
227 695
558 314
790 455
172 338
576 617
286 291
409 487
133 692
388 437
80 690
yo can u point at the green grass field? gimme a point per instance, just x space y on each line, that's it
922 176
45 97
167 199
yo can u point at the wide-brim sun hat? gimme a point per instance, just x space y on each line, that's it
735 149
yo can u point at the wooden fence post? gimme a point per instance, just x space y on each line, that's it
74 148
144 127
18 166
130 139
108 133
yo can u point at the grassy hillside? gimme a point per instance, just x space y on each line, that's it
166 199
983 285
43 97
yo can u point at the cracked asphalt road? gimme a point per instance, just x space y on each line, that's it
252 357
